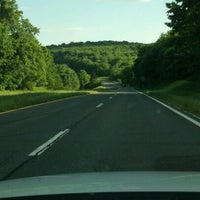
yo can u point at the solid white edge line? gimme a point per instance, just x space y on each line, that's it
174 110
99 105
47 144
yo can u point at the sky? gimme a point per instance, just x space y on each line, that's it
65 21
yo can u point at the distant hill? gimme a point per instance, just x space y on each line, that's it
90 43
103 58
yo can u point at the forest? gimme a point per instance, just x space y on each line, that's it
105 58
176 54
26 64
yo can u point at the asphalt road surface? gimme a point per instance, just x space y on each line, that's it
117 131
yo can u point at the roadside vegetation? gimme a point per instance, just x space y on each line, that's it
18 99
97 59
173 62
175 55
183 95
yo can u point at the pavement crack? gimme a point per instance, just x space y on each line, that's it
15 169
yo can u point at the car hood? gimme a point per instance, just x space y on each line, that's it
102 182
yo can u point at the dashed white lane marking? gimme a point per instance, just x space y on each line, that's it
174 110
49 143
98 106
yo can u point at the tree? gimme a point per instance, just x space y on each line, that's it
23 61
127 75
106 58
69 77
84 78
175 55
184 16
53 78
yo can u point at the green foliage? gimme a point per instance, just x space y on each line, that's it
24 63
18 99
53 78
127 76
84 78
107 58
184 95
69 77
175 55
184 18
94 82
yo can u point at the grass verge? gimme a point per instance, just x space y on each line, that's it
10 100
184 95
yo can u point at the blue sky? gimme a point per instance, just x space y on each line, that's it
64 21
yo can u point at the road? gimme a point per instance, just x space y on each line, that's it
114 131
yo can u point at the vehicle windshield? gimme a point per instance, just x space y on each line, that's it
99 86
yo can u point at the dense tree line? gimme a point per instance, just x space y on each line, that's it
175 55
98 43
106 58
24 63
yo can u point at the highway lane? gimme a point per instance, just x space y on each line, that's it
24 130
107 132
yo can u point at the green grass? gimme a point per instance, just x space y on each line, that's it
10 100
184 95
